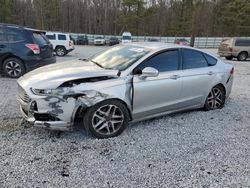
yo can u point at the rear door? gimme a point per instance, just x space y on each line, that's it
197 77
46 49
4 47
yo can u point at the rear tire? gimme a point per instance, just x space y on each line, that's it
13 67
106 119
215 99
242 56
61 51
229 58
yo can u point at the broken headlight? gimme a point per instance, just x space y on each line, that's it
46 91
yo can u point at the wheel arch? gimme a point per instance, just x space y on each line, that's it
12 56
243 52
58 46
81 108
224 88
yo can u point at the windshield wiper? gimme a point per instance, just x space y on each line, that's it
83 59
98 64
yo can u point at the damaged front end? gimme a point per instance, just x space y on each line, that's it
56 109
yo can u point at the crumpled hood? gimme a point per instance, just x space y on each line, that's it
52 76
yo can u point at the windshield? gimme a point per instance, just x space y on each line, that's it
119 57
126 37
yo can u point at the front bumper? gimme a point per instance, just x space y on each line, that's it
51 125
44 118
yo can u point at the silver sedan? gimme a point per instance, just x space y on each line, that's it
129 82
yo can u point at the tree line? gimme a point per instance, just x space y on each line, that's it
140 17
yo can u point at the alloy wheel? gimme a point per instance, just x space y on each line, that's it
108 119
13 68
60 52
215 98
243 56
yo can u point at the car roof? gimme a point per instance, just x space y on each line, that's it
58 33
21 27
156 45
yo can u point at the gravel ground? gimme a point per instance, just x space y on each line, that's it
191 149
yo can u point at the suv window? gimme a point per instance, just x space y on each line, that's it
165 61
15 35
193 59
40 39
242 42
51 37
2 36
61 37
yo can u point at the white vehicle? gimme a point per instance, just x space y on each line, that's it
99 41
126 37
62 42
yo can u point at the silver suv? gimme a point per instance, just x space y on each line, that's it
235 48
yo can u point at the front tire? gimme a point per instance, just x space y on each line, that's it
61 51
13 67
216 98
106 119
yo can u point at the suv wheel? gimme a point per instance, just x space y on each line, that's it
215 99
61 51
106 119
242 56
13 67
229 58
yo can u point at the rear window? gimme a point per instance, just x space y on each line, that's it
242 42
40 39
61 37
51 37
126 37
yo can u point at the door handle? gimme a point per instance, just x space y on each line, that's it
210 73
174 77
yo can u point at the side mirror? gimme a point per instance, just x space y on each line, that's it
149 72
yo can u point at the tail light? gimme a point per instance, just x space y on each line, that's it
71 43
232 71
34 48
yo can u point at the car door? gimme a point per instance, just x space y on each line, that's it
4 46
153 95
197 75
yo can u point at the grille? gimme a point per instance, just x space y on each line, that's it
23 95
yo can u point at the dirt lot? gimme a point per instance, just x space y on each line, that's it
192 149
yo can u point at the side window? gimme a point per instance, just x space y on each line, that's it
3 38
210 60
193 59
242 42
51 37
61 37
15 35
166 61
